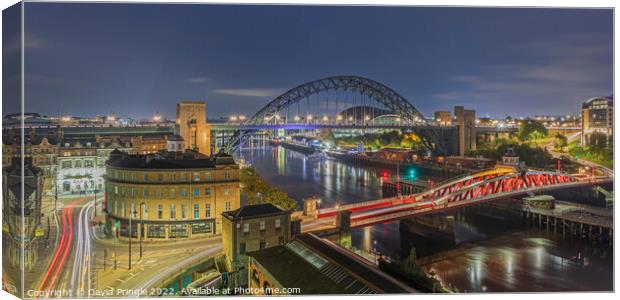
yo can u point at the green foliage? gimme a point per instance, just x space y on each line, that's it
531 130
533 157
377 141
258 191
595 154
560 141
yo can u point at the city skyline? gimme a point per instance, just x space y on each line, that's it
151 56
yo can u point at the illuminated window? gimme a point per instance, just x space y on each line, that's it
246 228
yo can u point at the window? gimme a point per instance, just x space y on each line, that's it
78 164
183 207
184 178
277 223
262 225
196 176
133 192
145 192
242 248
262 244
207 192
208 210
123 191
116 207
160 211
173 211
226 175
196 211
158 193
246 228
226 206
133 210
196 192
160 177
207 176
226 191
115 190
172 193
146 177
183 192
123 209
172 177
145 211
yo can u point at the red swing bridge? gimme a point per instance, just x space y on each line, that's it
489 185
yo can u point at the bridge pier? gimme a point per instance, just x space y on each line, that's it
343 223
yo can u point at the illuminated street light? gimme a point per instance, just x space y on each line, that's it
350 118
233 118
241 117
65 118
325 119
367 118
339 117
277 117
309 117
297 118
156 118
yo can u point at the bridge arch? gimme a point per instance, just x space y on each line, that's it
381 93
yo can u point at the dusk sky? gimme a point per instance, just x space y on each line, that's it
136 59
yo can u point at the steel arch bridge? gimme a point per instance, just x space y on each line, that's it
276 114
396 103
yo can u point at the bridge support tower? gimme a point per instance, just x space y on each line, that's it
343 223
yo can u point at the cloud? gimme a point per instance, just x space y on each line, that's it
556 77
30 42
202 79
259 92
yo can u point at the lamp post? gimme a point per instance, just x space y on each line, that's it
131 213
141 227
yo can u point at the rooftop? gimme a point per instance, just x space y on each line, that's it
318 266
165 160
253 211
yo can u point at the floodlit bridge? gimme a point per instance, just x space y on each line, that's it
344 103
489 185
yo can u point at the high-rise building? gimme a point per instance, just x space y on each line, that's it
466 125
192 126
597 118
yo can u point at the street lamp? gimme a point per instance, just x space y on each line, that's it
141 227
297 118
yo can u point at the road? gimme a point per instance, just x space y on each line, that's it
76 268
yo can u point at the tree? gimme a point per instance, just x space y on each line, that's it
531 129
560 141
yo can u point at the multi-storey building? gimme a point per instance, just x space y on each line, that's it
443 118
169 194
597 117
41 149
81 163
251 228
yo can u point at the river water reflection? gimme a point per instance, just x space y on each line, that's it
520 260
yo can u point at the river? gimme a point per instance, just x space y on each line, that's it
521 259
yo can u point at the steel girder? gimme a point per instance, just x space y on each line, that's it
378 91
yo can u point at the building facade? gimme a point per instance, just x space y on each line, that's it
21 220
597 119
169 194
191 122
443 118
251 228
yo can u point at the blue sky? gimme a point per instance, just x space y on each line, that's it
135 59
